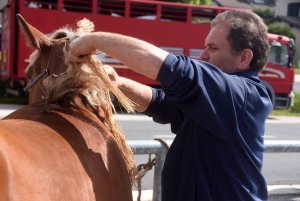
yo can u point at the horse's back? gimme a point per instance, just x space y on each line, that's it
55 156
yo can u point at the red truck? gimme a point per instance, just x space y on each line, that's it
176 27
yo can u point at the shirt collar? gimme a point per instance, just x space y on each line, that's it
251 74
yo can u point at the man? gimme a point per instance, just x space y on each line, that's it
217 106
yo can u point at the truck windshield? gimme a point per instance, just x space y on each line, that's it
278 54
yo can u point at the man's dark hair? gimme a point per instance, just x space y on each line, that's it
247 31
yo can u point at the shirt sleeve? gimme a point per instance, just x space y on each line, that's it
164 111
204 93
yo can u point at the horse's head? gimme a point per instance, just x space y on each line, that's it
47 59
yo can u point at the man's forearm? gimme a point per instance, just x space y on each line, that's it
140 94
138 55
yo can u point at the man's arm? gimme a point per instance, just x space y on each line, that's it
140 94
138 55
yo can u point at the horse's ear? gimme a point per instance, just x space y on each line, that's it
34 37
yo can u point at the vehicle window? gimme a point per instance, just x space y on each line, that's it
278 54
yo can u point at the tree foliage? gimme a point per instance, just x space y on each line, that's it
281 30
265 14
197 2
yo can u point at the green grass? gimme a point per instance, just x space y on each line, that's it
292 111
23 100
11 99
297 70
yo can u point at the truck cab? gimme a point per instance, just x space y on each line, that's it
278 75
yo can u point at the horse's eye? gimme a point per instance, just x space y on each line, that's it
29 77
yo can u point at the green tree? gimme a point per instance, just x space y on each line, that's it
198 2
281 30
265 14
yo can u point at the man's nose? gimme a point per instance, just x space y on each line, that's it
204 56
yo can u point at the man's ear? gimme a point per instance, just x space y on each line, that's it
245 59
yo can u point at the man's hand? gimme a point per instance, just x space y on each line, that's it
112 74
81 47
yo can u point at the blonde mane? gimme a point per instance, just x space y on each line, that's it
90 82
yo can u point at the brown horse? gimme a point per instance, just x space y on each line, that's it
65 145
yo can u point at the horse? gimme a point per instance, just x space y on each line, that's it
65 144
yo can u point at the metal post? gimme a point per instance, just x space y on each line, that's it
159 163
157 148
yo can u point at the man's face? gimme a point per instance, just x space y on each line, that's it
218 51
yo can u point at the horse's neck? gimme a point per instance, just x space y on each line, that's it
38 111
88 111
35 109
28 112
85 121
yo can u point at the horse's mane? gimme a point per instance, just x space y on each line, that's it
90 82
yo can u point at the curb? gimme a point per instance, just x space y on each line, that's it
145 196
283 119
297 78
284 189
272 190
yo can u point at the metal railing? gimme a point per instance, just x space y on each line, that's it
160 150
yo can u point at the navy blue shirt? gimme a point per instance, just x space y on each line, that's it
219 120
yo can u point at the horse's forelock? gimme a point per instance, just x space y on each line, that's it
64 32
